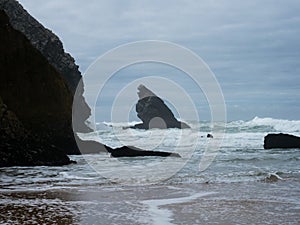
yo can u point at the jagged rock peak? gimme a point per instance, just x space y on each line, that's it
144 92
154 113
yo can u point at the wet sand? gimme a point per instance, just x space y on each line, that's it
235 203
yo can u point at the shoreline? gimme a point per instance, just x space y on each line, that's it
243 203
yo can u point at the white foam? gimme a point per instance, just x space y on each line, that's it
119 124
74 177
278 124
164 216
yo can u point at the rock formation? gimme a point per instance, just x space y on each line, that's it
130 151
154 112
281 141
43 40
36 104
124 151
49 45
18 147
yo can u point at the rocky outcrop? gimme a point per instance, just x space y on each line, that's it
43 40
281 141
130 151
18 147
154 112
124 151
38 104
49 45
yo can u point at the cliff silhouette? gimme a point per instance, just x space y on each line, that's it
37 85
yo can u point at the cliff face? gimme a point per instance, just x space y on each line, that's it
44 40
36 104
49 45
18 147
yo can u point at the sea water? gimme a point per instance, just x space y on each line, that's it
244 183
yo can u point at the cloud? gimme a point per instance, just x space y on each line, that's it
251 46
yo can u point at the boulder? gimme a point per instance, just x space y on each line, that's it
281 141
154 112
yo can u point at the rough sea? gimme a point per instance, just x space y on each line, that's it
228 179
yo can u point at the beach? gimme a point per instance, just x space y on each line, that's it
244 184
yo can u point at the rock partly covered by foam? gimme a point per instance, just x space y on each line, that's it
281 141
154 112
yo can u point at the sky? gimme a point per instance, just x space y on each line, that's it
252 47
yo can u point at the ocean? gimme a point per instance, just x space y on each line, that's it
228 179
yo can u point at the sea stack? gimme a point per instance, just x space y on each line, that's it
154 112
281 141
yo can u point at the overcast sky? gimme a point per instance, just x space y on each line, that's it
252 47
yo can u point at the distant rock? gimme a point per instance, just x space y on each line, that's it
281 141
271 178
209 136
154 112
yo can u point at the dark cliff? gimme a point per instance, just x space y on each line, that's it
18 147
49 45
36 104
43 40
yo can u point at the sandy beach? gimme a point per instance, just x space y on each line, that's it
240 203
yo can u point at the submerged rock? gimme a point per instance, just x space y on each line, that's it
154 112
271 178
281 141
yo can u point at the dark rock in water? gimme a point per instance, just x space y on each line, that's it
209 136
281 141
130 151
88 147
154 112
271 178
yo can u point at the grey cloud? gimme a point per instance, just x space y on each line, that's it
252 46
